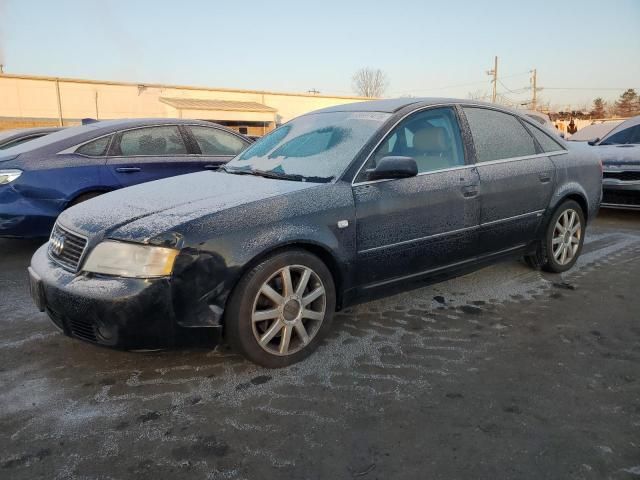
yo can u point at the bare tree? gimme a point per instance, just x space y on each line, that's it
370 82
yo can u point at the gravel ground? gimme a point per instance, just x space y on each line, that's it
503 373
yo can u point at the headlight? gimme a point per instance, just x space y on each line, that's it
130 260
8 176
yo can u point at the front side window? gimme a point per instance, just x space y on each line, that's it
432 138
165 140
315 147
623 137
97 148
213 141
498 135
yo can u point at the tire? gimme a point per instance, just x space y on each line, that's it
281 313
558 251
83 198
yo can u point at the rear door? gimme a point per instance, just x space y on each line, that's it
149 153
516 178
213 147
407 227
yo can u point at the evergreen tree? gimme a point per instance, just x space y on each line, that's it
627 104
599 106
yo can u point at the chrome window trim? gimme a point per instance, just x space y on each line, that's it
73 148
452 232
476 164
449 169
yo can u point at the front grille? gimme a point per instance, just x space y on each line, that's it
625 176
621 198
66 247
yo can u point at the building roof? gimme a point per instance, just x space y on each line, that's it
206 104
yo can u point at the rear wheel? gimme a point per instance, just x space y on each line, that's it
281 309
562 244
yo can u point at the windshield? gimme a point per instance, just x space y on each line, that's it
315 148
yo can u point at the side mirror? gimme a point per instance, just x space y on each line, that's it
394 167
593 141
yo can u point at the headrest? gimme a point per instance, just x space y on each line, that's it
430 139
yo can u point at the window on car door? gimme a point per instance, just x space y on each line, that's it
213 141
432 138
498 135
163 140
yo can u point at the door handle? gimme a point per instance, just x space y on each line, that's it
470 191
545 177
211 167
127 169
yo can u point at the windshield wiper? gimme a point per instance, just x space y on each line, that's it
279 175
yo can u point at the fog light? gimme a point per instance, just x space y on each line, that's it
105 332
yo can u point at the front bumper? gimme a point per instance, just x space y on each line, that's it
126 313
620 194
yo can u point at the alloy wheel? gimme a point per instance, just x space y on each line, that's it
566 237
288 310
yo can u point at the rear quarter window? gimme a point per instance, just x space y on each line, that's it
96 148
545 140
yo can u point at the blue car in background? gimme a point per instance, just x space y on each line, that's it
13 138
41 178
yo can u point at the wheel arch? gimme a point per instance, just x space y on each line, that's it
88 191
572 192
321 251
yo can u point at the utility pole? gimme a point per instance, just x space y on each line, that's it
535 89
494 73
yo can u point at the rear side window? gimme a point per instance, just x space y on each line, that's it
165 140
97 148
498 135
628 135
213 141
547 143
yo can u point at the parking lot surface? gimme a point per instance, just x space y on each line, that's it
502 373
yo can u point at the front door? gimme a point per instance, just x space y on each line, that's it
406 227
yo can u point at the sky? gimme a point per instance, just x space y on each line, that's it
581 49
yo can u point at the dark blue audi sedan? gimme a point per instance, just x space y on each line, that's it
41 178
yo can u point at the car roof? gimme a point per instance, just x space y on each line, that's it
631 122
595 130
393 105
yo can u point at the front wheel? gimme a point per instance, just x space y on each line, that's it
560 248
281 309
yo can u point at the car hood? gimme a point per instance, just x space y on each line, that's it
619 155
150 209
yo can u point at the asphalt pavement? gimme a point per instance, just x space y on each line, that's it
505 373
